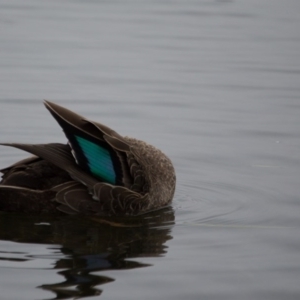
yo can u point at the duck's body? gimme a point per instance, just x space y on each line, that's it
99 172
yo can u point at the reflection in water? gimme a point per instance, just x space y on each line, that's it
90 245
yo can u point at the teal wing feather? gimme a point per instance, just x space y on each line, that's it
98 159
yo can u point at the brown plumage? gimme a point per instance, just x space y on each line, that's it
99 172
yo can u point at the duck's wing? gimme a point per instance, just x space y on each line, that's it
113 200
74 198
97 149
77 196
11 174
20 199
59 155
21 164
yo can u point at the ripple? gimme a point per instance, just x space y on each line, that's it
210 201
28 256
225 204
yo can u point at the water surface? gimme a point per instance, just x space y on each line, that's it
215 85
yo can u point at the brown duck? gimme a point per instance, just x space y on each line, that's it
98 172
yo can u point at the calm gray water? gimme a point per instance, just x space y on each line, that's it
215 85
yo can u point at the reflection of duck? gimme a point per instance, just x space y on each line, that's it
87 247
124 175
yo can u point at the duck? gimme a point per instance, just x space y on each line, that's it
97 172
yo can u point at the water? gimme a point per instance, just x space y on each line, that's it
215 85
